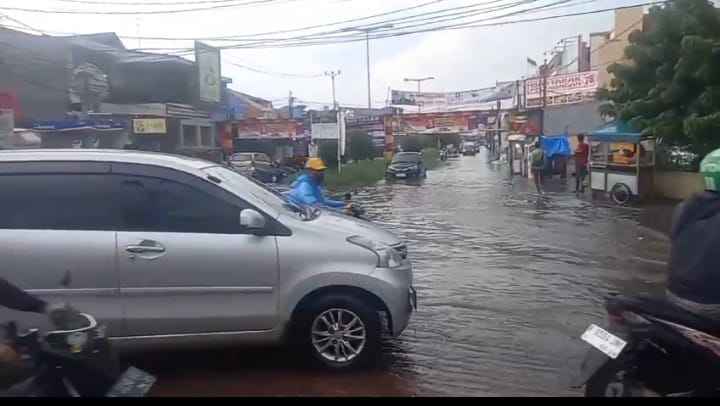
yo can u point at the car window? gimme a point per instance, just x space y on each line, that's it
161 205
56 202
262 158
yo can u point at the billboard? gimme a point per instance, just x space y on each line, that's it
469 98
448 123
562 89
268 129
207 62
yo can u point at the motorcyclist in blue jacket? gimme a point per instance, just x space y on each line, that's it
306 191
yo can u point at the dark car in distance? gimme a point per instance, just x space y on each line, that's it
406 165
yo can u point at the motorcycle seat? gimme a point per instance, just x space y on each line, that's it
663 309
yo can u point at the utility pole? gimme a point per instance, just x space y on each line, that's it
419 80
543 92
367 31
332 75
291 101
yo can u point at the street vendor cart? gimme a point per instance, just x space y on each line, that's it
517 154
622 163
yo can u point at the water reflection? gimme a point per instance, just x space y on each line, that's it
507 281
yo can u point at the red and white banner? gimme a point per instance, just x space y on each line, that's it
562 89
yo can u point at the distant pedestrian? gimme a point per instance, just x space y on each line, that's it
538 160
582 152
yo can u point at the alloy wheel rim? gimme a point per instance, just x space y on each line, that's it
338 335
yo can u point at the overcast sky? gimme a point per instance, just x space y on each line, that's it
459 60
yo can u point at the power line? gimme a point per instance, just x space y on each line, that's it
119 13
328 37
310 27
466 25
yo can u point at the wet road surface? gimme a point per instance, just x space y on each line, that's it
507 282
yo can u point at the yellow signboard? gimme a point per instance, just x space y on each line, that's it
149 126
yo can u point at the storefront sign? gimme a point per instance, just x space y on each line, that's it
207 60
149 126
562 89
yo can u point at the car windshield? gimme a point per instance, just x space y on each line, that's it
241 157
260 191
406 158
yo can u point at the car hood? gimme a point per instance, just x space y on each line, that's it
355 226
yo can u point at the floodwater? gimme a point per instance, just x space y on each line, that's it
507 281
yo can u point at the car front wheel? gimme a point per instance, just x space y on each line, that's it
340 332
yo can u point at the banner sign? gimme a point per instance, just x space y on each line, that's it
207 61
503 91
268 129
449 123
562 89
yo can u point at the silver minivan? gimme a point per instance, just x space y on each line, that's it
169 251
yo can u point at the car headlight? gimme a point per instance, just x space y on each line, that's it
387 256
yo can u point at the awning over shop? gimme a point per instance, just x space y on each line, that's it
74 125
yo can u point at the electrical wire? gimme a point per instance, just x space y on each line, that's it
148 12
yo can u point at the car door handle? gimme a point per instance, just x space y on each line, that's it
138 249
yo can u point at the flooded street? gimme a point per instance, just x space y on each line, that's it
507 281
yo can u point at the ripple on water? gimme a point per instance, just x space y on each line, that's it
507 281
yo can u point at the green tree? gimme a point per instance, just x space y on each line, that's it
359 146
671 87
327 150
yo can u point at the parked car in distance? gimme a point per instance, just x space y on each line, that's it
406 165
258 165
468 148
169 251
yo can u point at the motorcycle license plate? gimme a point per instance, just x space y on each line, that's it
400 175
604 341
132 383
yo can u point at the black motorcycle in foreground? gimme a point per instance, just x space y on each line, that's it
651 348
75 359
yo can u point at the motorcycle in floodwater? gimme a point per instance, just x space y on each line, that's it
75 359
651 348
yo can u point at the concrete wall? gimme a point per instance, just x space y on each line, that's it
613 50
677 185
581 117
37 69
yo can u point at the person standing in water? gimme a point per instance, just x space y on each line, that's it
538 159
582 151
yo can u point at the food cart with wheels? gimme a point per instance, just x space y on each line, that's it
622 163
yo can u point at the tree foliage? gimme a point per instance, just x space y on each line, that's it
670 88
359 146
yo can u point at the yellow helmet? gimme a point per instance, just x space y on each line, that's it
315 164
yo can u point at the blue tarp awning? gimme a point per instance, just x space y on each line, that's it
615 131
555 145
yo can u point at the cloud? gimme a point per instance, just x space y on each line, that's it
459 60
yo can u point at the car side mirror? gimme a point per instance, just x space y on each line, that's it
252 220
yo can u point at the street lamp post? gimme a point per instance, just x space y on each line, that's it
367 31
419 80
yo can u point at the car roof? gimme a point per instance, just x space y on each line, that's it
104 155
